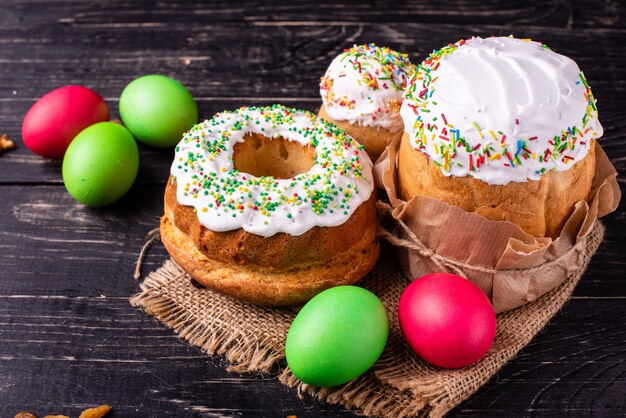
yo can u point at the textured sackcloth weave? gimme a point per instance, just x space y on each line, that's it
252 339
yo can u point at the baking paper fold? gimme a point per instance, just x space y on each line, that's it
509 265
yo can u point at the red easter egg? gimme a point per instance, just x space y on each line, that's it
447 320
54 120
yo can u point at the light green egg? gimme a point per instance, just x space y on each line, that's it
101 164
158 110
337 336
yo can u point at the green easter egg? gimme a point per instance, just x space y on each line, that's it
101 164
337 336
158 110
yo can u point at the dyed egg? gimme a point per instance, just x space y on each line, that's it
54 120
337 336
157 110
101 164
447 320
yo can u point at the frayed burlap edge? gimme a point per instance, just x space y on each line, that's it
366 395
244 352
399 385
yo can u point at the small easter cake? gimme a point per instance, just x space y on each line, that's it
362 93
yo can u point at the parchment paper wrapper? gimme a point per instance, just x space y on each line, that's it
509 265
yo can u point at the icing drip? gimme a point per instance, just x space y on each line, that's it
226 199
364 85
500 109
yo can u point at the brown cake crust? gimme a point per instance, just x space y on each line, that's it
375 140
540 208
278 270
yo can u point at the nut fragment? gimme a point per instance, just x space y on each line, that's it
5 145
97 412
24 414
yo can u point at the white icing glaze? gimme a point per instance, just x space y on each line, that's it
495 88
364 85
226 199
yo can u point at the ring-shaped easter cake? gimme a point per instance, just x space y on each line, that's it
270 205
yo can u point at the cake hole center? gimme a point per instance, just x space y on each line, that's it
261 156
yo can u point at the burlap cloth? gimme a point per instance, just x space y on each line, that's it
252 338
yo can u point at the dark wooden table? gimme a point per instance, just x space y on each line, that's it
69 338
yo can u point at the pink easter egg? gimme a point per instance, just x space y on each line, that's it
447 320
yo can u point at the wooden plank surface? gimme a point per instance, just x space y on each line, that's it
239 63
69 339
114 354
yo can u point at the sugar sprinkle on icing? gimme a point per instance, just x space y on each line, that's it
226 199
